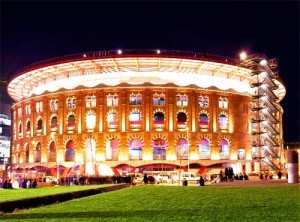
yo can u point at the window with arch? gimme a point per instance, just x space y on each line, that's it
70 151
71 120
39 107
53 104
181 118
28 109
159 118
224 149
135 117
27 153
112 100
19 111
113 119
241 154
203 121
223 102
159 149
135 99
182 100
223 122
112 149
52 152
203 101
38 152
159 99
255 149
182 148
28 126
135 149
53 122
20 129
90 120
71 102
90 101
204 149
40 124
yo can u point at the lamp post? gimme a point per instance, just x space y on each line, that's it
188 148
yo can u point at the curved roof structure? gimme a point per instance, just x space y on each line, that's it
134 67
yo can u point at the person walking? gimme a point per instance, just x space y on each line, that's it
201 181
184 182
145 179
279 174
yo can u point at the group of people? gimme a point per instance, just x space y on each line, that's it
200 182
227 175
20 183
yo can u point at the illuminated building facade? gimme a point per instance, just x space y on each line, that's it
146 109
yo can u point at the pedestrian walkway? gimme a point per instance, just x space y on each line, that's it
255 182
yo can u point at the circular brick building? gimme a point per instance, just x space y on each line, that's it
100 113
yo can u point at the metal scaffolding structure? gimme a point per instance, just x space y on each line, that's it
265 111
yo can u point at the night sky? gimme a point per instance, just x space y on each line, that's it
35 30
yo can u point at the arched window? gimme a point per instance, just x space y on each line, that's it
159 149
54 122
224 149
135 149
223 122
28 126
70 152
40 124
112 148
135 117
90 120
20 128
52 152
182 149
203 120
181 118
38 152
204 149
255 150
159 118
27 154
71 121
113 119
241 154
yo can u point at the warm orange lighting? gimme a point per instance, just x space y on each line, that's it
215 156
243 55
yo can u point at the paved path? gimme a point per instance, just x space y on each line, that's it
256 182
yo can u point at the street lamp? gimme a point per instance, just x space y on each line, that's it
188 147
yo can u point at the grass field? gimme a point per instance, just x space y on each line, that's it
16 194
175 203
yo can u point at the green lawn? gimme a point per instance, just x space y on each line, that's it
16 194
175 203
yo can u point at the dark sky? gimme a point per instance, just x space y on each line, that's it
33 31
